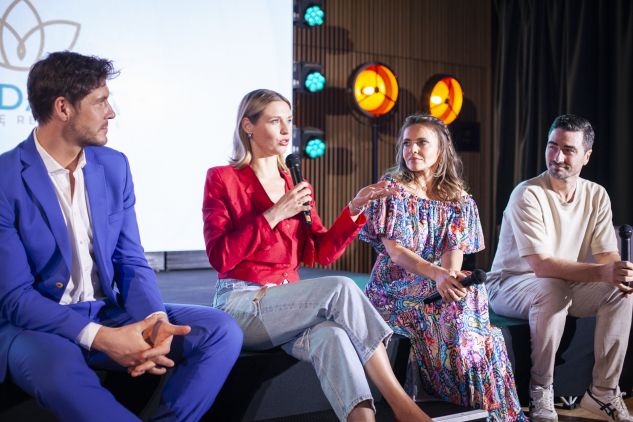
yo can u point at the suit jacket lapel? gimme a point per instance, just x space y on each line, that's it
94 176
247 178
37 179
253 188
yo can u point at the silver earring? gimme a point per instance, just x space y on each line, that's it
250 135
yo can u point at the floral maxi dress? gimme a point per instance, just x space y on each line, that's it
461 357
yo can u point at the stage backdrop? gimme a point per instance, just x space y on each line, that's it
184 68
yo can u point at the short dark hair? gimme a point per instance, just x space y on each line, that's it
573 123
64 74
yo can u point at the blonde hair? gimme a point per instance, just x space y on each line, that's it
251 107
447 184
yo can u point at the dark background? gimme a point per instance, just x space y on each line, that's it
521 63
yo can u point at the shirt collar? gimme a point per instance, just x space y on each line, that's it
52 166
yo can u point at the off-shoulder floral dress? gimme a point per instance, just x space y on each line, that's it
461 357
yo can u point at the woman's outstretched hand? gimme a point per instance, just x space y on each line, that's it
369 193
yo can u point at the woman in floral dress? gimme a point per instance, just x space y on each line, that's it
421 234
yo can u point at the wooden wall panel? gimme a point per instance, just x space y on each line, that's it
416 39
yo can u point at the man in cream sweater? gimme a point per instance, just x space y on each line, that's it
554 226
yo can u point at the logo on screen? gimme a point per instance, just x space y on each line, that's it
24 35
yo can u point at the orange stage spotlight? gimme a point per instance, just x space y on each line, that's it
443 97
374 89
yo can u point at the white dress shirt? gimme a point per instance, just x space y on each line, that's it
83 285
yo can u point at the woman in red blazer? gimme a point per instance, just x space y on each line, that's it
256 237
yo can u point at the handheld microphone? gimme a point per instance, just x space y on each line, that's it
294 165
625 244
476 277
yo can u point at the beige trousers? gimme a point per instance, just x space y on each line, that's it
546 302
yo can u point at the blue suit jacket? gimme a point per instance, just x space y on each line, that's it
35 255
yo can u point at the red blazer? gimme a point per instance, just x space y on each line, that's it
240 243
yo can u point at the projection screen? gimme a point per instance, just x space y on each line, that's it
184 67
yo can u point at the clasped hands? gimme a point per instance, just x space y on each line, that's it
142 346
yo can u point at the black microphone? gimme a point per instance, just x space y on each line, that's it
476 277
625 244
294 165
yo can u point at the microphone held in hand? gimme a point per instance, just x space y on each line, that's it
625 244
294 165
476 277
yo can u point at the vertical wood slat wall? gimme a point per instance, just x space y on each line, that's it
416 39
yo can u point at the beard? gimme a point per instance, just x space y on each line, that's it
86 141
88 137
559 171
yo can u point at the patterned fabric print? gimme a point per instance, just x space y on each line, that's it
462 358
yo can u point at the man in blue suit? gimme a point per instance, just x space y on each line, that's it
76 292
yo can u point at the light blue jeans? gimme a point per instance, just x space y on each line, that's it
327 321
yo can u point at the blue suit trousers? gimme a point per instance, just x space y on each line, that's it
60 374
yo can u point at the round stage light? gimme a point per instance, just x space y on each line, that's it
443 97
315 148
374 89
315 81
314 16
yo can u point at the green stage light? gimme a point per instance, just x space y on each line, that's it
308 78
309 141
315 81
315 148
314 16
308 13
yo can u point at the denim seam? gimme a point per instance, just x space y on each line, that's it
340 404
384 338
364 352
